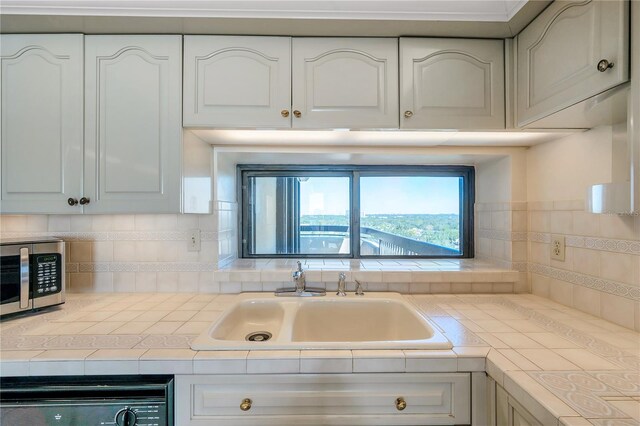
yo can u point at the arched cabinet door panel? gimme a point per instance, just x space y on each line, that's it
560 51
41 110
236 81
345 83
451 84
133 128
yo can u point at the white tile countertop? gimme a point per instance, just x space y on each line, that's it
563 365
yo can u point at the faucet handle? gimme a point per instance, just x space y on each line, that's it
359 291
299 266
341 284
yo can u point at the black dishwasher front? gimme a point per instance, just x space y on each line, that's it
87 400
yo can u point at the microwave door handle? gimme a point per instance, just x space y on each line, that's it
24 277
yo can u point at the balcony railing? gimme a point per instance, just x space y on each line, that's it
376 242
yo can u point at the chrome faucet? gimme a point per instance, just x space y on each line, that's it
359 291
300 279
341 284
300 286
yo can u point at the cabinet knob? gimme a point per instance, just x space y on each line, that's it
401 404
297 113
245 405
604 65
408 114
84 200
72 201
284 113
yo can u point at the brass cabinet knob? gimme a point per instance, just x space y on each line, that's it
284 113
297 113
408 114
604 65
72 201
401 404
84 200
245 405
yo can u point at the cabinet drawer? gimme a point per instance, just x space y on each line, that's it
431 398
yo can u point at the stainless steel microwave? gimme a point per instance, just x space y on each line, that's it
32 274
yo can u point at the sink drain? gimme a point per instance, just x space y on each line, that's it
258 336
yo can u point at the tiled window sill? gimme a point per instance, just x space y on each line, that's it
371 271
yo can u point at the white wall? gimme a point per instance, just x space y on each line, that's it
501 213
601 271
563 169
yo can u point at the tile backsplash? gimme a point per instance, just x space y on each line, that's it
501 237
601 271
142 253
130 253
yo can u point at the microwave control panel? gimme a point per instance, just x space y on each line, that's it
48 273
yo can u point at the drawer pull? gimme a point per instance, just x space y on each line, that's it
245 405
401 404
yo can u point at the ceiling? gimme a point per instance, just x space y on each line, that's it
445 18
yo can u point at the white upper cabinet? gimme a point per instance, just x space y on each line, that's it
345 83
572 51
300 83
237 81
41 111
451 84
133 128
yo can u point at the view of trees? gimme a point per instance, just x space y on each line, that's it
440 229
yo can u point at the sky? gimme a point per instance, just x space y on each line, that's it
381 195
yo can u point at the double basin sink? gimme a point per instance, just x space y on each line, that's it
261 321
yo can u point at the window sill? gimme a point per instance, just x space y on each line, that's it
369 271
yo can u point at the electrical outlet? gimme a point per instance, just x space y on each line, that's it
557 247
194 240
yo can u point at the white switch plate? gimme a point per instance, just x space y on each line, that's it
557 247
194 240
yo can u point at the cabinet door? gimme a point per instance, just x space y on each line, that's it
133 123
559 52
519 416
237 81
345 83
451 84
41 111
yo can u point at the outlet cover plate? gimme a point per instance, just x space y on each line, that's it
557 247
194 240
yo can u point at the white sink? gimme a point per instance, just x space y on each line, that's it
372 321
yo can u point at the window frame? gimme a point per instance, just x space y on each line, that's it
354 173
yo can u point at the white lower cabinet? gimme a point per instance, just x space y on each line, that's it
506 411
324 399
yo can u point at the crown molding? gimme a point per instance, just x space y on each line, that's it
400 10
